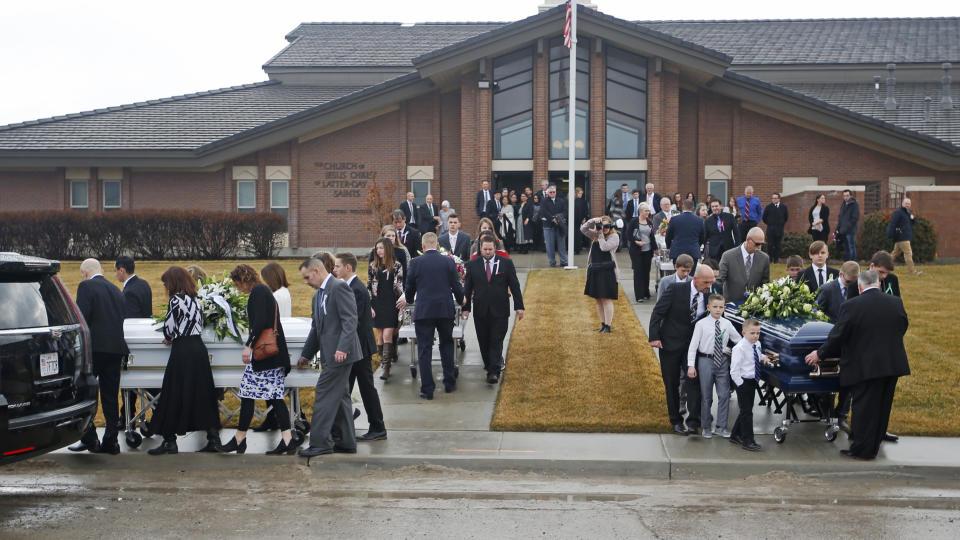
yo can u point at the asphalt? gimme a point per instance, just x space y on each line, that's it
453 431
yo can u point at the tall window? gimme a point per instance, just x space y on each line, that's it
280 197
246 196
559 98
111 194
626 105
513 105
79 194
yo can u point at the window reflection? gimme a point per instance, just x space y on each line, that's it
626 105
560 102
513 105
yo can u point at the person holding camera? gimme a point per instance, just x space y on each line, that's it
602 270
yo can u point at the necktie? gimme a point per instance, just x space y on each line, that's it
489 271
843 292
403 236
746 209
693 307
749 264
320 302
717 346
486 196
820 279
413 218
756 361
720 224
430 206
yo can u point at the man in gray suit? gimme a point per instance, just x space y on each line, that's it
334 333
744 267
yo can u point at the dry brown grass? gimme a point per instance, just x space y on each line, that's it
564 376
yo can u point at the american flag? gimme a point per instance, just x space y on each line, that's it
566 27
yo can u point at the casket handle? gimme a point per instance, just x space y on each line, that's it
771 359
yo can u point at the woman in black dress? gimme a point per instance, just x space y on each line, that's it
385 283
819 217
602 270
263 378
188 399
537 223
524 219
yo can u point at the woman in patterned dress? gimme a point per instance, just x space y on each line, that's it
263 378
188 398
385 283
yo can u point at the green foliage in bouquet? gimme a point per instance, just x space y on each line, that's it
782 299
224 308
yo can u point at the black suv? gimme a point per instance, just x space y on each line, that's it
48 392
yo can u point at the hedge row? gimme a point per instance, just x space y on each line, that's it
145 234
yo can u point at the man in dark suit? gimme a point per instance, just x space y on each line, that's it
483 197
832 295
410 210
848 224
333 332
775 216
671 328
430 281
138 301
554 233
429 219
408 235
633 204
721 231
579 217
652 199
544 188
494 209
103 307
454 240
491 280
868 339
362 372
685 234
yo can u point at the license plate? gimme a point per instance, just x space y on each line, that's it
49 364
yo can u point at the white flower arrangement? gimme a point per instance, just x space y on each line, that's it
782 299
224 308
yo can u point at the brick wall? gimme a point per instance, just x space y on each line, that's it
597 136
448 169
178 190
34 190
940 207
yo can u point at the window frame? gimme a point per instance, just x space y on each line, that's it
515 83
615 77
247 209
558 65
86 193
103 195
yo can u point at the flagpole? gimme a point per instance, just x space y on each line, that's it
572 137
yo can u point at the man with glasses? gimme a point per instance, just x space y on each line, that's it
744 267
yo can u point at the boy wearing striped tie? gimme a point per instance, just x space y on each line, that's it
709 356
744 372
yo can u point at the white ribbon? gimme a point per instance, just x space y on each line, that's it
225 306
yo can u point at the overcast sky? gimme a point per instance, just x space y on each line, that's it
64 56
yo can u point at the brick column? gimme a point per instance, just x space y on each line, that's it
670 129
469 183
484 147
541 117
293 212
598 132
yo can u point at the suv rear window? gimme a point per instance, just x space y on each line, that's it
32 301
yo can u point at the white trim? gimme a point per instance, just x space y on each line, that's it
910 181
419 172
718 172
254 194
909 189
625 165
273 206
103 194
560 165
110 173
278 172
87 191
797 184
78 173
519 165
245 172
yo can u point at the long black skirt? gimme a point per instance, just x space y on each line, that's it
188 400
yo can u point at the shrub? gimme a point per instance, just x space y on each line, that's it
873 237
263 234
796 244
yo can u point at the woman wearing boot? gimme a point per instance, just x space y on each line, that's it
188 399
263 378
602 271
385 283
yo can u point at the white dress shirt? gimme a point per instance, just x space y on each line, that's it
820 274
741 361
703 340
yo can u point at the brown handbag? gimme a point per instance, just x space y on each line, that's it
266 344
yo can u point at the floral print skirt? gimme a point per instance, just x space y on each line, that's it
268 384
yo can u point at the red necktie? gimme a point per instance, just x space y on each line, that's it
746 209
489 273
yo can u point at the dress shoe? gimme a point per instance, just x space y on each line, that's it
890 437
344 450
109 448
356 413
166 447
373 436
680 430
81 446
751 446
850 454
606 329
232 446
492 378
735 439
424 395
212 447
312 451
283 448
448 388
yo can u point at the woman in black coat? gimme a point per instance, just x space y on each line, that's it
263 378
640 237
819 217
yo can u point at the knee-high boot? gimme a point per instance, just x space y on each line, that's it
386 359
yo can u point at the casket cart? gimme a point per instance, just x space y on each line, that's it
148 360
787 381
408 331
662 262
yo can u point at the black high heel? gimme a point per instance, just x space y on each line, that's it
281 448
232 446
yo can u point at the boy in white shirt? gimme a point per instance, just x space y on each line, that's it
712 365
744 358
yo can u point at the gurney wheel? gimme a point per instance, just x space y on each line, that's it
133 439
831 433
779 435
413 372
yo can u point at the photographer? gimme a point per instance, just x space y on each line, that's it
602 270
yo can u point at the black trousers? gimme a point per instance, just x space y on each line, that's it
641 272
425 329
774 241
671 365
490 334
745 227
743 427
280 412
872 401
362 373
107 371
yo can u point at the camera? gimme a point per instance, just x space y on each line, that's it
598 225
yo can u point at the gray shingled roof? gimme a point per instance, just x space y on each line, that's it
177 123
824 41
859 98
370 44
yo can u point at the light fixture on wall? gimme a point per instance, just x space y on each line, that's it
485 84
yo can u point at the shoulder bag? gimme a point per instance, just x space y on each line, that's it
266 344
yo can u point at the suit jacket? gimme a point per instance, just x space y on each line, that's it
103 307
435 278
891 285
775 218
549 209
656 201
734 276
412 217
809 276
579 211
720 241
138 298
848 222
670 321
491 211
630 210
868 338
334 325
490 298
829 297
685 234
481 204
425 221
410 238
368 344
462 249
